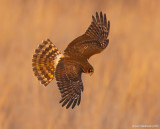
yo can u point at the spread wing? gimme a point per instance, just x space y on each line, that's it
68 77
93 41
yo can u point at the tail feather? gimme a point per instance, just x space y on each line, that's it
44 61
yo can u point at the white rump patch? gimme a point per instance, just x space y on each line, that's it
56 61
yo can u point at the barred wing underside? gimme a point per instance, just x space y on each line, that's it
68 77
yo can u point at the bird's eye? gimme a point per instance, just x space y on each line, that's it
90 70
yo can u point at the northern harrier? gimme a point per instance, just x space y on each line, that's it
49 63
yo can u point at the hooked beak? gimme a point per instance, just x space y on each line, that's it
91 73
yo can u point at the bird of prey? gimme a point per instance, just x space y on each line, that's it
67 67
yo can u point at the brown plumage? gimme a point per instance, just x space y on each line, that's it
49 63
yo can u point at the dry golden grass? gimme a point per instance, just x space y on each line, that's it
125 88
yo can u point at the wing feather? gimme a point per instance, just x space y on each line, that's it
68 77
93 41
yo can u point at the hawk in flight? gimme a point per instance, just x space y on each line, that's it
49 63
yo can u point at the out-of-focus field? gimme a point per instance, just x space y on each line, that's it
125 87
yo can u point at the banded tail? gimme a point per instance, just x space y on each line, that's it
44 61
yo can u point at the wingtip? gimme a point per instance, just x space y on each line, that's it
101 17
74 103
97 17
108 27
65 102
101 14
109 22
93 18
105 20
79 100
69 103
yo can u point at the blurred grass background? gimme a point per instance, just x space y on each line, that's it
125 87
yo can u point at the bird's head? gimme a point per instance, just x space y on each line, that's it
88 69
